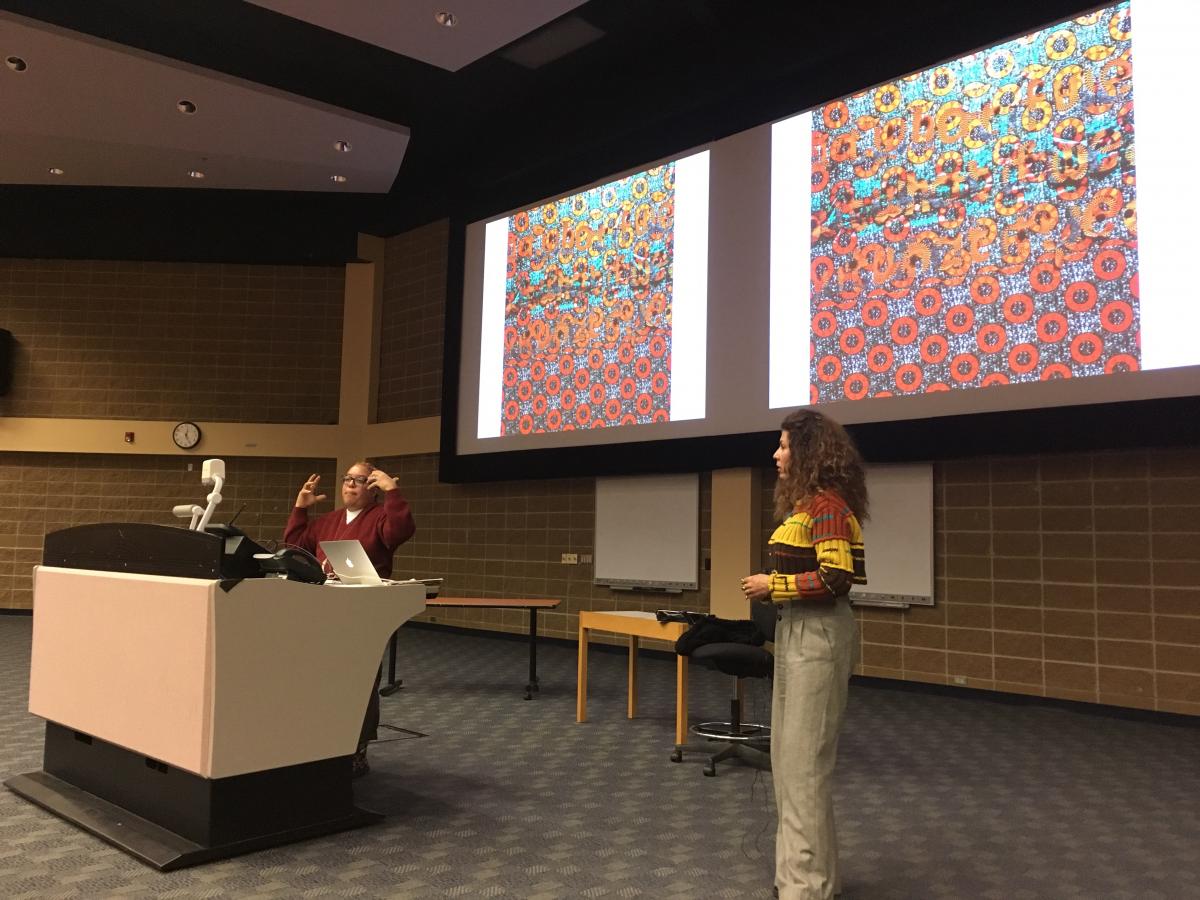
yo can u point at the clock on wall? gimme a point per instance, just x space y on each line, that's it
186 435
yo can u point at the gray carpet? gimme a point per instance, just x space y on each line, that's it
938 797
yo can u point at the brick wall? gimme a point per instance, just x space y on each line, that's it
130 340
410 351
47 491
1074 576
506 539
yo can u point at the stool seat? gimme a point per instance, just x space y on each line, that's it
748 742
738 660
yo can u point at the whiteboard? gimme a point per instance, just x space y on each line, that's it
898 536
648 532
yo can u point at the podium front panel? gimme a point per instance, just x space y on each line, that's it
216 678
293 667
124 658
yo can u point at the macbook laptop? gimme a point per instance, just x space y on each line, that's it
350 562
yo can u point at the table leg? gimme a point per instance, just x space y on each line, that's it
633 675
681 700
532 685
581 682
393 684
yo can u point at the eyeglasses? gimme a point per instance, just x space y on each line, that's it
360 480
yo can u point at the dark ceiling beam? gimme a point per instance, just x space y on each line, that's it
689 73
259 45
668 75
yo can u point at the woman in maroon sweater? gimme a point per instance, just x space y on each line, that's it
380 527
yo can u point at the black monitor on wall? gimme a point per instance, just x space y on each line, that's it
8 349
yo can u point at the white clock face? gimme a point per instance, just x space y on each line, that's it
186 435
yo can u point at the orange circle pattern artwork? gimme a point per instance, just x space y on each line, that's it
975 224
588 299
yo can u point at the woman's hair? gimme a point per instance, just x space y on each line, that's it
823 457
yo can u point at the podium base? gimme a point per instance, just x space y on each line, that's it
142 839
170 818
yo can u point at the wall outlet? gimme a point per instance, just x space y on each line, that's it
570 559
959 679
585 559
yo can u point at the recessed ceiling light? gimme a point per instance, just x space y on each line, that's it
195 173
16 63
187 107
342 146
55 170
338 179
446 19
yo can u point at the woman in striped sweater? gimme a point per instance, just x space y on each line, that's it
816 556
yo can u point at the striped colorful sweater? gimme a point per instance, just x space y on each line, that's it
817 553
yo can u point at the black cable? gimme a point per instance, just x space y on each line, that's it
236 514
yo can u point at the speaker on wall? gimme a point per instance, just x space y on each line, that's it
7 352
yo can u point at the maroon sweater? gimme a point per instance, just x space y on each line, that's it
381 528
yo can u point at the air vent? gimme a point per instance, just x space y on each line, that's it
555 41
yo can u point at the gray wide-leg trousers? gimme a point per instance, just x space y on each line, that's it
815 649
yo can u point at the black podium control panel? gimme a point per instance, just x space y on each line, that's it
146 549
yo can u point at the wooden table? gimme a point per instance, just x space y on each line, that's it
533 605
635 625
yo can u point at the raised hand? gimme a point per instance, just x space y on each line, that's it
308 494
381 480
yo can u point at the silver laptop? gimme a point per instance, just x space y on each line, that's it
350 562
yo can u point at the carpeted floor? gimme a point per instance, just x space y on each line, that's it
938 797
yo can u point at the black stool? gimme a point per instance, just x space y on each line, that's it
748 742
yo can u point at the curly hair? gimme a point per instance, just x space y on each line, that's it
823 457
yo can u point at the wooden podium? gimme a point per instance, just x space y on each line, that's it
190 719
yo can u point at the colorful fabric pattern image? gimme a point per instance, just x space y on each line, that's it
975 224
587 318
